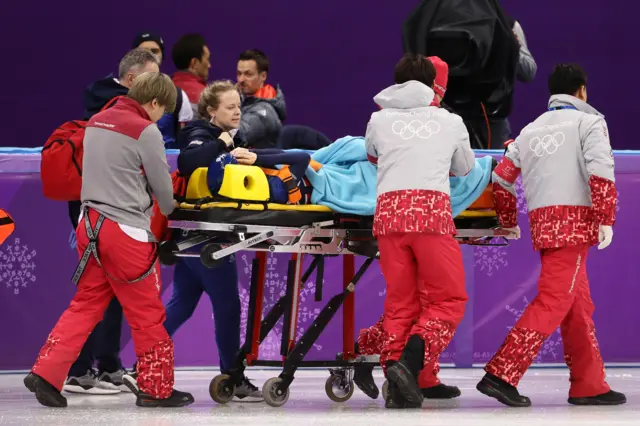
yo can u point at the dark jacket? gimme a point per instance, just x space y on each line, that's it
262 119
199 145
97 94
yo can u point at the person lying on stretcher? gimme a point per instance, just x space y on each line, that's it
287 184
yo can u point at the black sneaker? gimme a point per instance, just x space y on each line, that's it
404 373
494 387
363 378
441 391
177 399
609 398
46 394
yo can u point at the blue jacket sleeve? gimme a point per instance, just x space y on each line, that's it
199 154
297 161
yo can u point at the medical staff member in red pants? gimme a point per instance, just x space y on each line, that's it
567 169
371 340
124 165
416 146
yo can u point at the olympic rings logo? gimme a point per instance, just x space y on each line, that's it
415 128
548 144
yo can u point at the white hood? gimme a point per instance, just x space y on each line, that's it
411 94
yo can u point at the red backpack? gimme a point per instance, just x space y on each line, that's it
61 160
159 222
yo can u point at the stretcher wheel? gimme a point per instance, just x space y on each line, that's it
338 388
165 253
222 389
273 393
385 389
207 253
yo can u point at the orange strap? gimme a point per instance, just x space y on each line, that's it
284 174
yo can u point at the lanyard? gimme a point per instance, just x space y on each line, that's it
562 107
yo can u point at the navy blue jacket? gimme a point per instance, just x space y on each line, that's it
199 145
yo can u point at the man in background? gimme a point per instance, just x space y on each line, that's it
263 106
191 58
170 123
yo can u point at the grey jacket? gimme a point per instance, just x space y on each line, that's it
416 145
124 164
558 153
527 67
262 119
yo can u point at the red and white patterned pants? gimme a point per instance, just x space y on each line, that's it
125 259
426 294
563 300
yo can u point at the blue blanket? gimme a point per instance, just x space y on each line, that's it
347 180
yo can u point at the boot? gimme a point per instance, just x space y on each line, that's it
494 387
177 399
363 377
609 398
46 393
404 373
394 399
441 391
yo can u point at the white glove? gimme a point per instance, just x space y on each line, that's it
515 231
605 236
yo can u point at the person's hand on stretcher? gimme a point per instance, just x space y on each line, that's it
244 156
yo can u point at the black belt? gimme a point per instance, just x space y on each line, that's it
92 249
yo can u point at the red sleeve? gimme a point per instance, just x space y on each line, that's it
506 206
604 199
372 159
507 171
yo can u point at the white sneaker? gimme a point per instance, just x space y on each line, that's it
89 384
247 392
116 379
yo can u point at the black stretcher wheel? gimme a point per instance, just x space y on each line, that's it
385 389
222 389
206 255
273 393
166 254
338 388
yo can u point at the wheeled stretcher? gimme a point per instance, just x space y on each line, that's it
222 228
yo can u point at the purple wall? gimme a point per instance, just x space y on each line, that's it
330 57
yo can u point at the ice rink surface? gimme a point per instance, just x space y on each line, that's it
308 404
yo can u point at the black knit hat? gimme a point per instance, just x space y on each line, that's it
142 37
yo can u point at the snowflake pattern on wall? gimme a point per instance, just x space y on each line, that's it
275 288
520 199
490 259
552 348
17 266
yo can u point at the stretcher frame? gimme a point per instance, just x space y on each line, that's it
320 239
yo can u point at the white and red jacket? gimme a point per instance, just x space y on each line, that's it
416 146
567 172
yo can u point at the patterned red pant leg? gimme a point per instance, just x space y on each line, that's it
371 340
515 355
155 370
560 277
582 352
